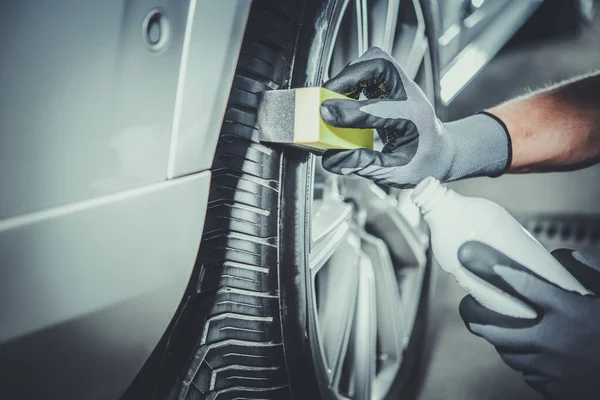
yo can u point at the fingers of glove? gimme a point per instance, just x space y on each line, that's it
521 361
535 366
394 133
542 384
379 114
509 276
362 162
348 114
406 138
345 162
474 313
520 339
547 387
374 53
584 268
376 73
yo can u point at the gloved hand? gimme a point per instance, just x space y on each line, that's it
416 143
558 353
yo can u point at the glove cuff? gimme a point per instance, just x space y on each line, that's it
482 146
508 139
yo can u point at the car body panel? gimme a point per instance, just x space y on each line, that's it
88 289
99 230
86 108
207 68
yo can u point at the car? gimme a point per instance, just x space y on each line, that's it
151 247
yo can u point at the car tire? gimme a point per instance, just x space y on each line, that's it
241 329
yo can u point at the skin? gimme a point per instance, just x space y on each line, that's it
555 129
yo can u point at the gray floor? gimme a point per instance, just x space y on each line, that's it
462 366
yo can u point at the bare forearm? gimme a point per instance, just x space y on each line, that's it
554 129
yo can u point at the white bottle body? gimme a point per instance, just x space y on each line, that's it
455 219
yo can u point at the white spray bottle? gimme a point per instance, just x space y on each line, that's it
455 219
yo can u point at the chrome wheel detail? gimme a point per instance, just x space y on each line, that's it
368 247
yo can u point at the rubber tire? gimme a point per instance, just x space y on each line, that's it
238 350
241 330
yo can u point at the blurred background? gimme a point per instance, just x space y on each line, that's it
561 209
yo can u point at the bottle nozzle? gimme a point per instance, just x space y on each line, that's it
428 194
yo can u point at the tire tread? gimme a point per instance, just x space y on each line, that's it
239 352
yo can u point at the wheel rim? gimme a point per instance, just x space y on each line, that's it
364 295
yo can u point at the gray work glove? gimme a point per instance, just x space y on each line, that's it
416 143
558 353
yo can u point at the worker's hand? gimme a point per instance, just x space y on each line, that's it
558 353
416 143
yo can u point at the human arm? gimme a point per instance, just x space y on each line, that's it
554 129
416 144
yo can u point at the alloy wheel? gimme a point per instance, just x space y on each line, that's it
368 245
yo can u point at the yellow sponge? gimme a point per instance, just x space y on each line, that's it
293 117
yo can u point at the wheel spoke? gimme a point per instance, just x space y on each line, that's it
330 224
419 45
336 287
365 333
391 22
410 44
383 18
377 20
406 242
362 24
416 55
390 325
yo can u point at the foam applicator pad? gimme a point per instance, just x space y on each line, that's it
293 117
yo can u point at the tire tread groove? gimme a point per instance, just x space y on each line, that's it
237 285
